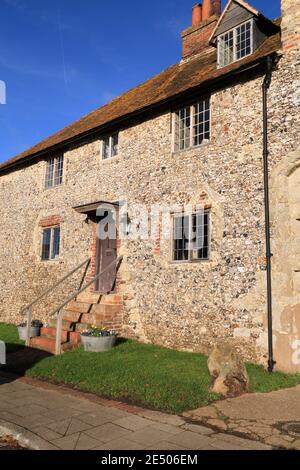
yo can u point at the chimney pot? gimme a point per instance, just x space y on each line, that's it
210 8
197 14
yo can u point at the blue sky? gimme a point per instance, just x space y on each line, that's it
62 59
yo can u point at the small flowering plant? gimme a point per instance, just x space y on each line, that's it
96 332
34 324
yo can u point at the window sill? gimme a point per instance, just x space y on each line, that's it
189 149
191 262
51 261
54 187
115 159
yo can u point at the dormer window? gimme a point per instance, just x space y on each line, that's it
235 44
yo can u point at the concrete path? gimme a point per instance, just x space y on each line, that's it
50 418
272 418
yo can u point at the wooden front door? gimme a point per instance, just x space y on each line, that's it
106 253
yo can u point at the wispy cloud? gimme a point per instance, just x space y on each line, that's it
41 15
15 61
23 64
63 57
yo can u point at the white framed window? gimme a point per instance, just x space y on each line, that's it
191 125
50 243
191 237
110 146
54 172
235 44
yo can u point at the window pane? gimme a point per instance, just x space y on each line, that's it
201 230
49 173
181 238
202 122
182 129
243 40
59 165
46 244
106 148
226 49
55 243
115 144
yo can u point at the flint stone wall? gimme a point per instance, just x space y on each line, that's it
183 306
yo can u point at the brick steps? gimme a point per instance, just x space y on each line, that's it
48 344
78 316
66 325
73 317
66 335
80 307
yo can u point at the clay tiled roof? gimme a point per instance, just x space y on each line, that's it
170 83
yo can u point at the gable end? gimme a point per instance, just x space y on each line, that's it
235 16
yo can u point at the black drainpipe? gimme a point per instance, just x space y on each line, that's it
266 86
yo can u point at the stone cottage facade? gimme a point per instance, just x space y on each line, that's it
191 136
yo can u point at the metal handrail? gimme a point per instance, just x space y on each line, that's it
95 278
59 310
52 288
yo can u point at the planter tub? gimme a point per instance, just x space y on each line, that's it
34 331
95 344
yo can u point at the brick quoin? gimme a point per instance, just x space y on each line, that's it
157 245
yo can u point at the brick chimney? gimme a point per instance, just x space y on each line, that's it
290 26
195 39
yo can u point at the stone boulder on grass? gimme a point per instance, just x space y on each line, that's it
228 371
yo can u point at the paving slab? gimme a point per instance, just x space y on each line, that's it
151 435
97 418
257 416
46 433
133 423
282 405
120 444
191 440
108 432
51 419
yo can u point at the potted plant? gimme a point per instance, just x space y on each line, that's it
98 339
36 325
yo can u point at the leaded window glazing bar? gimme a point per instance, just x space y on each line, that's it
55 243
226 49
243 40
54 172
235 44
191 235
110 146
202 122
192 125
51 243
46 244
49 173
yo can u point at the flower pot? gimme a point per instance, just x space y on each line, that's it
34 331
98 344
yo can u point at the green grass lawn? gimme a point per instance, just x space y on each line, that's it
152 376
